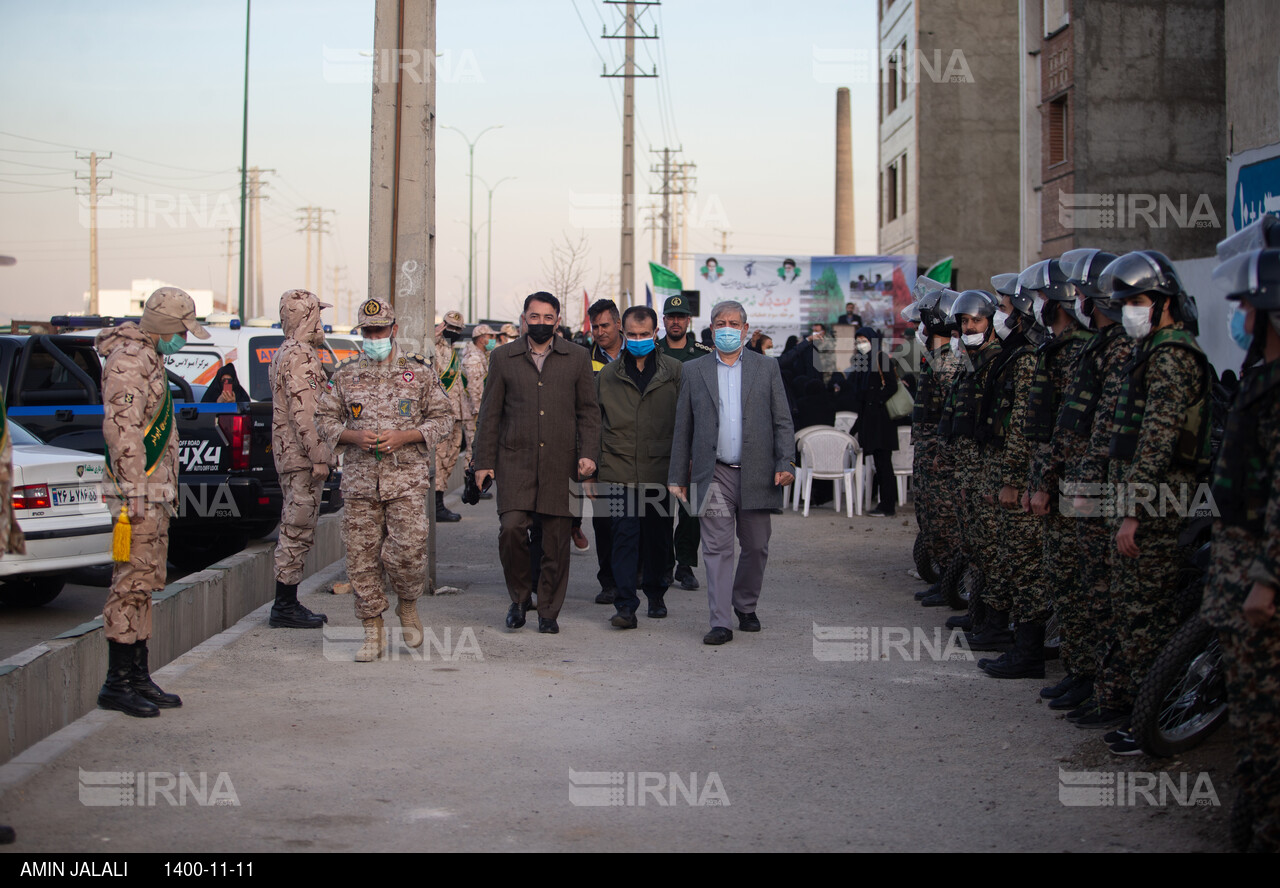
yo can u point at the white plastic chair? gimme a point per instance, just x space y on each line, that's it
825 454
902 460
845 420
794 488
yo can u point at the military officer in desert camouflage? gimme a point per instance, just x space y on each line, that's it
142 484
301 458
475 367
449 367
387 410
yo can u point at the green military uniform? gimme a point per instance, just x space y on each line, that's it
933 486
1246 549
1160 444
688 533
1088 412
962 454
1053 448
1020 535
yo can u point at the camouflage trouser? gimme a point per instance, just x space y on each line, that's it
390 536
470 445
1253 686
1085 618
447 456
985 525
126 617
1144 609
1021 557
297 523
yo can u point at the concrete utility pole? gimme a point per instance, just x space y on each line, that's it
256 195
471 216
724 239
402 181
667 171
230 269
846 240
306 226
684 174
488 275
631 31
93 178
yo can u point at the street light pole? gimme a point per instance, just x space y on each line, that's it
488 279
471 210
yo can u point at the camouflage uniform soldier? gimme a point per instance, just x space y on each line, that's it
142 467
1244 572
678 344
961 454
475 368
931 482
1017 566
449 368
1080 445
1161 446
301 458
388 410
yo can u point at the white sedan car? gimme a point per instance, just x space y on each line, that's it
57 498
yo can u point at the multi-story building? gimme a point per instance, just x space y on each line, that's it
949 134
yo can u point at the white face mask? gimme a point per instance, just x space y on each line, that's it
955 342
1137 320
1001 320
922 337
864 347
973 340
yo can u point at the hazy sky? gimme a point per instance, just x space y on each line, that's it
747 89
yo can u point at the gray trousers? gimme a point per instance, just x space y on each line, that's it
722 519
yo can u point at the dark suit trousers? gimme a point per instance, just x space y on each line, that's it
603 526
688 535
727 588
640 535
513 551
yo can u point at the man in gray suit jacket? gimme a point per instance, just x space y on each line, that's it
730 464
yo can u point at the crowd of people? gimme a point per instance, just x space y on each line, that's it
1063 430
1059 420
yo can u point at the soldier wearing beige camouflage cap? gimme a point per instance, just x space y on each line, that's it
302 459
142 488
475 367
449 367
508 333
386 409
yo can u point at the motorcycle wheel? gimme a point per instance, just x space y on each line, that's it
1184 696
928 569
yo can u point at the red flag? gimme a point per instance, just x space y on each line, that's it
586 304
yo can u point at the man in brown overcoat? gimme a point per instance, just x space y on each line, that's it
538 434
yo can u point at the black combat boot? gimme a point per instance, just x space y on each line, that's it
1027 658
143 686
443 515
117 693
289 613
993 635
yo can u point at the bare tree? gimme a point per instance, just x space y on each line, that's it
566 269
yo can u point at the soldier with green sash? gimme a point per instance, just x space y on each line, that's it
142 489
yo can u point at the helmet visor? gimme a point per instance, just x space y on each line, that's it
1238 275
1005 284
1259 235
1075 264
1035 277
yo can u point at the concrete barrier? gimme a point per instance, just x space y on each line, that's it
46 687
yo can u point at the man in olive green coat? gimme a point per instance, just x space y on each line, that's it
638 395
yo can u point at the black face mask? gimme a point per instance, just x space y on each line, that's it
541 333
452 336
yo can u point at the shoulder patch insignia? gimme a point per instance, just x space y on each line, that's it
403 406
356 410
128 398
400 361
407 376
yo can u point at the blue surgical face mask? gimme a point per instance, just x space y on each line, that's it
728 340
640 347
1242 339
491 345
377 349
172 345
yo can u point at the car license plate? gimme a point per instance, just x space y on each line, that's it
75 496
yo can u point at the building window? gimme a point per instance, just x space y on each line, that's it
891 193
1058 131
904 74
892 102
1056 16
883 203
902 179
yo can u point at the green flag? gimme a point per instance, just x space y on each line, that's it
941 271
665 281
